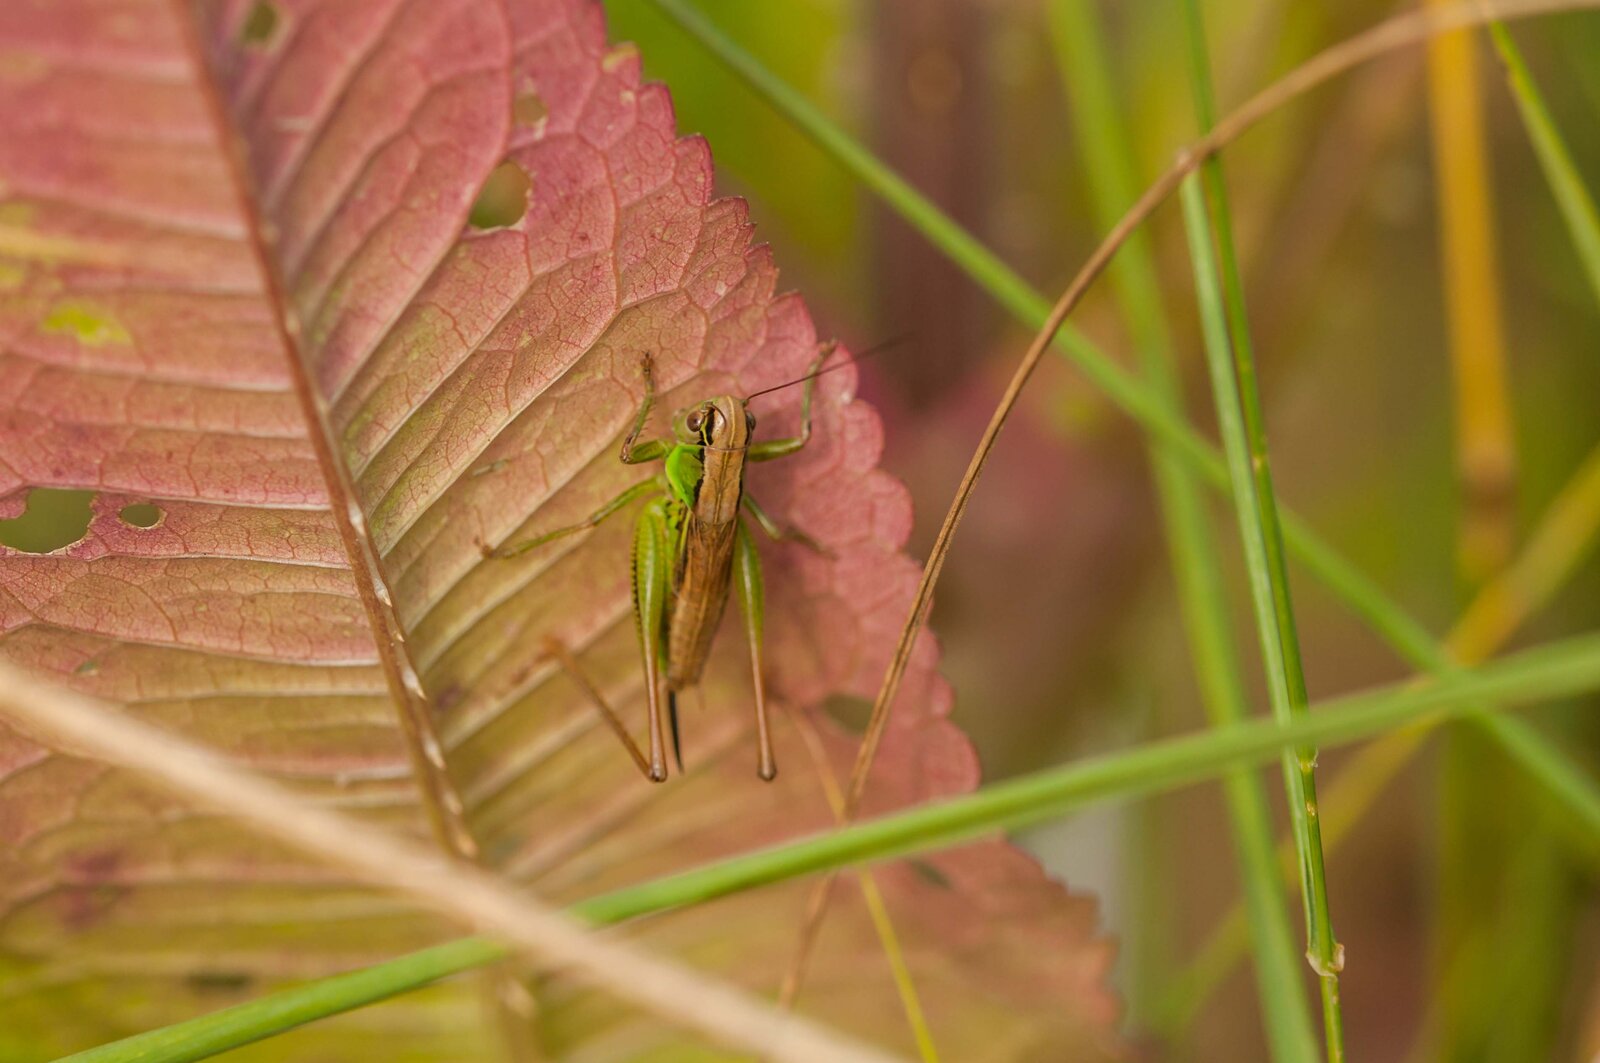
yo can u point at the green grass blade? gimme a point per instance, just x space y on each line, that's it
1231 359
1566 534
1553 671
1136 398
1567 783
1572 197
243 1024
1286 704
1103 143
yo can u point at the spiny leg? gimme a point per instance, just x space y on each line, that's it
777 532
747 580
638 490
780 448
652 562
561 655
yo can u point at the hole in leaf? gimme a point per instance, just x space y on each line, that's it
260 26
504 199
529 109
54 518
141 515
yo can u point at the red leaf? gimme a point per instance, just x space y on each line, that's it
475 380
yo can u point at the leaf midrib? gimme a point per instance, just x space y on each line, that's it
437 791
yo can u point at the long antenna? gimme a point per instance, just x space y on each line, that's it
871 352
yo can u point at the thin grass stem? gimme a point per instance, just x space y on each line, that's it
1555 159
877 908
1103 142
1564 537
1230 356
1287 704
1468 258
1548 672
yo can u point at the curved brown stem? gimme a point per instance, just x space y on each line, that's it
1399 32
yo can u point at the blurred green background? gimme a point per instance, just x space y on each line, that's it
1057 610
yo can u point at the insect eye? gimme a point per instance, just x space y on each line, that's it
750 421
695 420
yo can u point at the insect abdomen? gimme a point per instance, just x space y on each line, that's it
702 594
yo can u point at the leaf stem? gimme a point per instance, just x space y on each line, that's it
441 800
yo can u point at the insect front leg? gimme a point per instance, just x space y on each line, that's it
652 567
634 452
747 581
780 448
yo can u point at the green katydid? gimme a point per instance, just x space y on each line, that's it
690 547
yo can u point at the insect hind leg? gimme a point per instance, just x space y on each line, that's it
652 557
747 581
558 652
